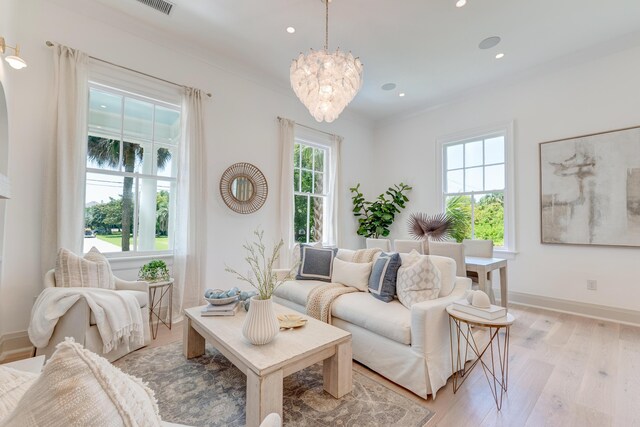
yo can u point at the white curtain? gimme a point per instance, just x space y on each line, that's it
287 140
190 249
64 185
331 224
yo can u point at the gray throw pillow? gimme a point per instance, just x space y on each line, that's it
316 263
382 282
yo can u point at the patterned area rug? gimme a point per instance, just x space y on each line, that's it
210 391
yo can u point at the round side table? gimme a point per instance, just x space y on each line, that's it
496 372
164 289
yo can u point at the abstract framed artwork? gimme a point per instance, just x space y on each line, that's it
590 189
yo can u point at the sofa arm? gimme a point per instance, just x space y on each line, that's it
429 319
136 285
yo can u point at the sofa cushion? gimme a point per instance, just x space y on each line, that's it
418 280
353 274
382 282
316 263
141 297
346 254
80 388
13 384
391 320
297 291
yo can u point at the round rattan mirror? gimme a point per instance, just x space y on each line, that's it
243 188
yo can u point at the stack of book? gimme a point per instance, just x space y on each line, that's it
220 310
492 313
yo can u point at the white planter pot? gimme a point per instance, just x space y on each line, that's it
261 324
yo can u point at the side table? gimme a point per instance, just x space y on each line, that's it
497 372
163 288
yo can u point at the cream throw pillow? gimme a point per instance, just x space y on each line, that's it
91 271
418 279
353 274
13 384
80 388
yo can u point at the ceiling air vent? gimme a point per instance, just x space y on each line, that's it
159 5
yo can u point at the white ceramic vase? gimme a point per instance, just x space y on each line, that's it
261 323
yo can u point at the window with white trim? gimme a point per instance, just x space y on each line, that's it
131 171
310 190
476 170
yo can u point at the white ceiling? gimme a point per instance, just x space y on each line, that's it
429 48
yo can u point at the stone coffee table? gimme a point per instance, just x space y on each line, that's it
265 366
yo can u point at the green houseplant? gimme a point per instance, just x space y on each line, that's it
375 218
154 271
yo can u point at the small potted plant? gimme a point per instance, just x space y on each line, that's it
154 271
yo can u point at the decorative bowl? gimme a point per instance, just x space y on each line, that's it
221 301
290 321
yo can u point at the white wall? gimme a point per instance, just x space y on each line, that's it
592 96
241 125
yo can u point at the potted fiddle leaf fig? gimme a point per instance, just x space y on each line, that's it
375 218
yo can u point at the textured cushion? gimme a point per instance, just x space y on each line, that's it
297 291
382 282
92 271
80 388
353 274
391 320
316 263
13 384
418 280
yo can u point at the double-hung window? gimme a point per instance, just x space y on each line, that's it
131 171
476 175
310 190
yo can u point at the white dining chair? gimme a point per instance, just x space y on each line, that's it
406 246
451 250
384 244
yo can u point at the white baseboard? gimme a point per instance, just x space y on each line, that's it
620 315
14 343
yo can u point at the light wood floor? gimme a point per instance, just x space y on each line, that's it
564 370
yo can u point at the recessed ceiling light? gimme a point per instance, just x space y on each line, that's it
489 42
401 94
388 86
103 106
291 30
461 3
500 56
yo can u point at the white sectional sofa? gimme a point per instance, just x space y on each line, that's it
411 347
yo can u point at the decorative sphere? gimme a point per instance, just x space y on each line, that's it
481 300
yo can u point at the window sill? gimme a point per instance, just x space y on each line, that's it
505 253
134 261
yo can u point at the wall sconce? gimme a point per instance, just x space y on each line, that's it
14 60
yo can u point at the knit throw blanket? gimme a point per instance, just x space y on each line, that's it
117 314
365 255
321 299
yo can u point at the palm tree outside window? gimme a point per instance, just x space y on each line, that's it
131 171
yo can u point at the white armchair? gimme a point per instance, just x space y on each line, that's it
80 323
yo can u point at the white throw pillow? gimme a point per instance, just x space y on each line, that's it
354 274
80 388
13 384
418 279
91 271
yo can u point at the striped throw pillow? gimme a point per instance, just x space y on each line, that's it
91 271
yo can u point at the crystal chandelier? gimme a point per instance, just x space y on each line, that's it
326 81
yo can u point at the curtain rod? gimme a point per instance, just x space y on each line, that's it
50 44
308 127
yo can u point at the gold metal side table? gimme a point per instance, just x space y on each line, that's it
162 289
496 372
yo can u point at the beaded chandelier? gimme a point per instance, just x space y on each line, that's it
326 81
